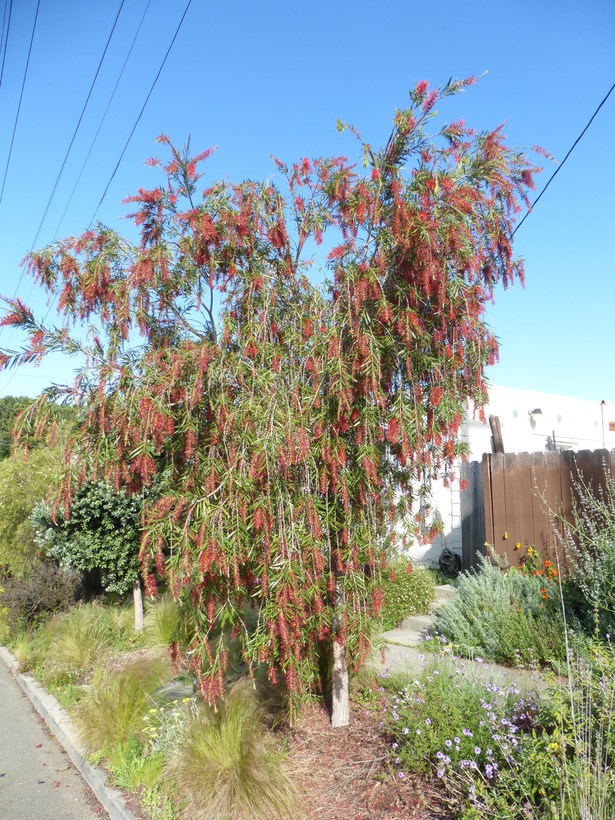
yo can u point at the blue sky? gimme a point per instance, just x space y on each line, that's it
266 78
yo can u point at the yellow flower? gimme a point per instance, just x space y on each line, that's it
530 550
506 536
518 545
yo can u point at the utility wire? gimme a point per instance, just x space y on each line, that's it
561 165
23 85
7 37
78 123
66 155
134 127
134 40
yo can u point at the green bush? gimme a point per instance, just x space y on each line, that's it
24 482
102 535
508 617
47 590
407 591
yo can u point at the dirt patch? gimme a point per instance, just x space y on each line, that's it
347 773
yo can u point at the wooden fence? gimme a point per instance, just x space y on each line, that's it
522 490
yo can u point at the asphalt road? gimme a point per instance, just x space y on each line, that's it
37 778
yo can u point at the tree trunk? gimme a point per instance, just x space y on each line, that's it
137 597
340 711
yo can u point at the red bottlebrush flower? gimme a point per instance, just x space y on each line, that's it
393 431
392 576
258 519
421 88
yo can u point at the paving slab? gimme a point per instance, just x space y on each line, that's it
405 653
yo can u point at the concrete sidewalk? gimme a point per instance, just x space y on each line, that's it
39 778
404 652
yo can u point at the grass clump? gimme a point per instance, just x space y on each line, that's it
112 711
510 617
162 621
407 591
80 637
225 766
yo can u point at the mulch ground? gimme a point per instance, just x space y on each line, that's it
346 773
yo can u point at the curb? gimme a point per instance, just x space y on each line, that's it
61 726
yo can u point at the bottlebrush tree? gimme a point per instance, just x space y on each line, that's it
288 420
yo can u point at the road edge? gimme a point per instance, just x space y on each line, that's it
61 726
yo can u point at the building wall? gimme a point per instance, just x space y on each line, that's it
576 424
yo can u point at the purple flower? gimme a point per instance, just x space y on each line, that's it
406 730
394 745
467 732
457 740
489 771
448 744
477 750
427 722
440 773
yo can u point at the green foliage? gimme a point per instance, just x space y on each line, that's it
101 534
48 589
10 406
407 591
507 617
225 766
24 481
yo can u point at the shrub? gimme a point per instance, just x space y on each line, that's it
24 481
225 766
589 545
49 589
509 617
102 535
407 591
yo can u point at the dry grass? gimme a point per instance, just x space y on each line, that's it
226 766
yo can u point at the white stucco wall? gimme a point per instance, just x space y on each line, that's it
578 424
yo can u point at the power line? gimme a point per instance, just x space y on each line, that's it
78 123
561 165
7 37
134 40
23 85
19 281
134 127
